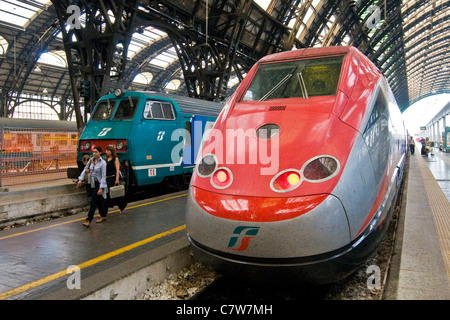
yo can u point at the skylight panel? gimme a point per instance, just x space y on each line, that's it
165 59
19 12
263 3
141 40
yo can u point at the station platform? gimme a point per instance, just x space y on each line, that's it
36 259
420 267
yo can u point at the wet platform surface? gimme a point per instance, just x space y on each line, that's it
439 164
34 259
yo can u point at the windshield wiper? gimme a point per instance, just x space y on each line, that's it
279 84
302 84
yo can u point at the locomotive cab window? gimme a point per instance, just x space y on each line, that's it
126 109
159 110
104 110
295 79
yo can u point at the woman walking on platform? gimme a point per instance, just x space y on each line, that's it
112 177
97 180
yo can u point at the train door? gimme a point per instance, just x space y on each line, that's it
153 143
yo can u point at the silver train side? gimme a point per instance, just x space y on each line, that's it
321 250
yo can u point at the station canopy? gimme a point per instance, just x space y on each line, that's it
408 40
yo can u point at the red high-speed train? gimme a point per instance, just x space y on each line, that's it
301 170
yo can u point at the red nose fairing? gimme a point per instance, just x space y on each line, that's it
307 129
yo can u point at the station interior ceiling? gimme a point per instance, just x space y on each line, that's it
204 48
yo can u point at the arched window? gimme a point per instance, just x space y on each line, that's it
3 46
35 107
143 78
54 58
173 85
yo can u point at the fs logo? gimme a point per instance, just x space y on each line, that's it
241 237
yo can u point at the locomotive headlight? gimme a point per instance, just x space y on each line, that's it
119 145
286 180
206 166
222 178
87 145
320 168
119 92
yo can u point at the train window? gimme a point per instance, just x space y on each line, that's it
126 109
104 110
168 111
295 79
158 110
378 109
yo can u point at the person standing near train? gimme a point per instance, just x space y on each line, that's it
112 177
97 180
411 144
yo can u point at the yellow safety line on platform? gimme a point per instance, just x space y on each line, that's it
80 219
440 211
37 283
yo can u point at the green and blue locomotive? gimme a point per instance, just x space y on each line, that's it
156 135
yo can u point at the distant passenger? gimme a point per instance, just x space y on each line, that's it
426 147
97 181
113 176
429 146
411 145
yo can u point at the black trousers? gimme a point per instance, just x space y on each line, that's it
412 147
97 201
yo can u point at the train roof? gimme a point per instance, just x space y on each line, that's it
186 105
191 105
38 124
309 53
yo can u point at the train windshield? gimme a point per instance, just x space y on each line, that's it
104 110
295 79
127 108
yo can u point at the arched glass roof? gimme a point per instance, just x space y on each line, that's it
409 44
20 13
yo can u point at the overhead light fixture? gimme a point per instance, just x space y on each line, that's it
445 68
37 69
45 90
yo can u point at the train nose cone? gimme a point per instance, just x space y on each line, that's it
283 227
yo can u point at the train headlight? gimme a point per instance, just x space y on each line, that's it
119 92
286 180
206 166
320 168
222 178
119 145
268 131
87 145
